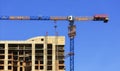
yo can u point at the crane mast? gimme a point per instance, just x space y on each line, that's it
71 27
71 35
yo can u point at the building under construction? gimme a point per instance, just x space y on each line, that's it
45 53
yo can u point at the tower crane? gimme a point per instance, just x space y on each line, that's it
71 27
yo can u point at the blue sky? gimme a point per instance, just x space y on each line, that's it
97 45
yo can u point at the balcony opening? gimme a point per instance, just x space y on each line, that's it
61 62
49 57
21 52
36 62
9 67
21 63
14 68
49 46
1 67
2 52
41 62
15 52
39 58
36 67
2 46
49 67
20 68
39 46
49 63
12 45
49 51
9 62
21 59
41 68
2 57
15 57
9 57
1 62
61 67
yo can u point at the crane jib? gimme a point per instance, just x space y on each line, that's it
32 18
40 18
55 18
24 18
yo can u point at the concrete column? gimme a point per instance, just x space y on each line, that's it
23 68
18 68
33 57
54 58
45 54
6 58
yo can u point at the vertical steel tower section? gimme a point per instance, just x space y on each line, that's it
71 34
72 56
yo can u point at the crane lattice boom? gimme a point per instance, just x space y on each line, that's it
56 18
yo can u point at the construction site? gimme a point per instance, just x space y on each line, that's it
42 53
35 54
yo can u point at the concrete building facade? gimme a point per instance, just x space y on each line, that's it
42 53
